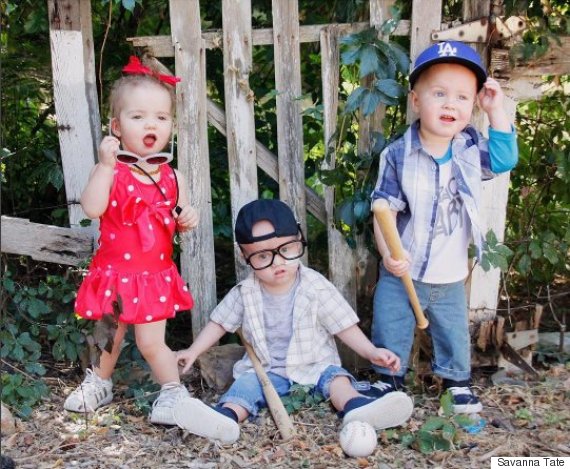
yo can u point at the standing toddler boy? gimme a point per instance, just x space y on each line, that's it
431 177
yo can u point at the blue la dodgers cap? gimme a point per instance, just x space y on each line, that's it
275 211
453 52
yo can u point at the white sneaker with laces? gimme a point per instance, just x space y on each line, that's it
391 410
200 419
91 394
163 406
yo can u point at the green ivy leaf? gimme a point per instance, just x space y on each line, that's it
390 88
370 101
354 100
369 62
433 423
524 263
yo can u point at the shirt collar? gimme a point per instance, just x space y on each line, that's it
415 142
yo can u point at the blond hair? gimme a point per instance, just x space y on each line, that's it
133 80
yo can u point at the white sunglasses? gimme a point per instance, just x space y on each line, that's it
129 157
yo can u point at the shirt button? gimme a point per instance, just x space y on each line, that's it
435 197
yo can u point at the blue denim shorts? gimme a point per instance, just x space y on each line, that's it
246 391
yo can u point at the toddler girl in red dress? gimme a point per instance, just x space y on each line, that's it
140 201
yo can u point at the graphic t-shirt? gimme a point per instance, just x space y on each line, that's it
448 261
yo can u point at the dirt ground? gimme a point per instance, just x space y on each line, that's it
523 419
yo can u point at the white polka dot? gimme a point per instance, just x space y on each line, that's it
108 273
176 307
171 176
162 257
127 256
162 299
149 318
167 202
163 190
88 274
114 203
124 280
185 288
145 272
107 292
130 188
138 199
112 235
150 227
167 278
135 300
166 221
116 171
109 266
89 313
75 305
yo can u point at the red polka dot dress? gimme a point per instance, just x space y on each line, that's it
133 265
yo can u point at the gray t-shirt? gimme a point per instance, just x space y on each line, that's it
278 319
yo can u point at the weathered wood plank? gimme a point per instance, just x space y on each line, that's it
74 97
161 46
426 18
267 161
240 118
289 123
197 256
69 246
342 262
556 61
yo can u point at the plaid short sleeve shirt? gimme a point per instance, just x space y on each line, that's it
319 313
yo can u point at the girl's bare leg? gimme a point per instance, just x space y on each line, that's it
151 344
107 361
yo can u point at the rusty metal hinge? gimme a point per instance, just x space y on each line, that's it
484 30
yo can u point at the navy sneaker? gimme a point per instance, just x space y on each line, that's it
464 400
385 385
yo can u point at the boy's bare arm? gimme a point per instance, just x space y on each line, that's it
207 337
357 341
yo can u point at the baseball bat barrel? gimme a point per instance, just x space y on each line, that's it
274 403
387 225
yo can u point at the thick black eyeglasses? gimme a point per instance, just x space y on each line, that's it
289 251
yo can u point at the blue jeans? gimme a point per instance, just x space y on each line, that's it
445 306
246 391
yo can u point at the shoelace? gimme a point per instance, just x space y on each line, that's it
382 385
459 390
89 382
168 395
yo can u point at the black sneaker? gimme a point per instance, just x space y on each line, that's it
464 401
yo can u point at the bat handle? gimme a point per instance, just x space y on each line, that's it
385 220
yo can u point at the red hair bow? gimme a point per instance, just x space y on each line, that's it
135 67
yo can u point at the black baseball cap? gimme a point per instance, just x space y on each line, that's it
274 211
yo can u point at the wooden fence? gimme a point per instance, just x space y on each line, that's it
79 129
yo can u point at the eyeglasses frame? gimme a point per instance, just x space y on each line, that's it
276 252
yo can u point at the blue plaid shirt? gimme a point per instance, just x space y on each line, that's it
409 179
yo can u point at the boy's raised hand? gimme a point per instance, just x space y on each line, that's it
492 101
386 358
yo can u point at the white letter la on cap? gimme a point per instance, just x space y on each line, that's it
446 50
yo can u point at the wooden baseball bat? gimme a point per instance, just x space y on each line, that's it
274 403
387 225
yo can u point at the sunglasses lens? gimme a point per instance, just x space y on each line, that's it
158 159
129 159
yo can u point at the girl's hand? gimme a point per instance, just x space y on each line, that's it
397 268
187 219
108 151
386 358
